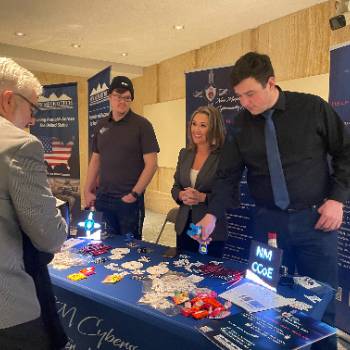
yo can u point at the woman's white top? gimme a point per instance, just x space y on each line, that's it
193 177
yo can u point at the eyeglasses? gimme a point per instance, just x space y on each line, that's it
121 98
34 110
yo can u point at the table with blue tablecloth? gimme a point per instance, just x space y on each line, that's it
108 316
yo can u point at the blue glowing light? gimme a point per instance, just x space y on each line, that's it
89 224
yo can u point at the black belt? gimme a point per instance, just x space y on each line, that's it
291 209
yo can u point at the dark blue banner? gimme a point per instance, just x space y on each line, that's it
98 103
339 98
274 329
57 128
212 87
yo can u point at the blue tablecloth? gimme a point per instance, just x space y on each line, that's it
108 316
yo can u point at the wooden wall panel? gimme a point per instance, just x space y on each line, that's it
297 44
146 89
171 76
340 36
224 52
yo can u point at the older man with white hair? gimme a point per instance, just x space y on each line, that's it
27 210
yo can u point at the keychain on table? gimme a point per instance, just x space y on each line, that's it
203 247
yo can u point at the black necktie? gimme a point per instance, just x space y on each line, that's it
278 181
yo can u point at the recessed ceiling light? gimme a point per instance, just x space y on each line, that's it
76 46
20 34
124 54
179 27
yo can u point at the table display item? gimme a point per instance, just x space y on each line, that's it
111 279
196 232
95 249
205 305
76 276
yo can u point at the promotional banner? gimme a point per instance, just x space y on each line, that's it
212 87
98 103
339 98
57 128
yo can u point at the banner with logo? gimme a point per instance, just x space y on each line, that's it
339 98
212 87
98 103
57 128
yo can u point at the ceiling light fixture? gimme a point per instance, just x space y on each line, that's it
20 34
178 26
124 54
76 46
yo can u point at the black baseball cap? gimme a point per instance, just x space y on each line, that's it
123 83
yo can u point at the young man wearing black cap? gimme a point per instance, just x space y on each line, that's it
124 160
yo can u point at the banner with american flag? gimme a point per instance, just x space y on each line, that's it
56 152
57 128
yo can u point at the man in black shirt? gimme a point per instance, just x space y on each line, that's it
125 159
285 140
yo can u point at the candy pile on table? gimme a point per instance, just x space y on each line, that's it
205 304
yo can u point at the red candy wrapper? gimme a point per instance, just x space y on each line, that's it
88 271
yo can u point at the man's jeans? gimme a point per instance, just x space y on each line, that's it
121 217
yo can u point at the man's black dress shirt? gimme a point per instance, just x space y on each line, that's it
308 132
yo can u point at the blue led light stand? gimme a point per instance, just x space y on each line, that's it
90 225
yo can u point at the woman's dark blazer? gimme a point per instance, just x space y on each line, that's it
203 184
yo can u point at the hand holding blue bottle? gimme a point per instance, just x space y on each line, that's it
195 233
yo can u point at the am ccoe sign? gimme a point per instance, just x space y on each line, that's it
265 262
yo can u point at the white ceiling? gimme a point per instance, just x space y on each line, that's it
107 28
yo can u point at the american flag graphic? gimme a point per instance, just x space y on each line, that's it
55 151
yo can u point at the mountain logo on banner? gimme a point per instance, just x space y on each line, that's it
55 102
56 152
98 94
